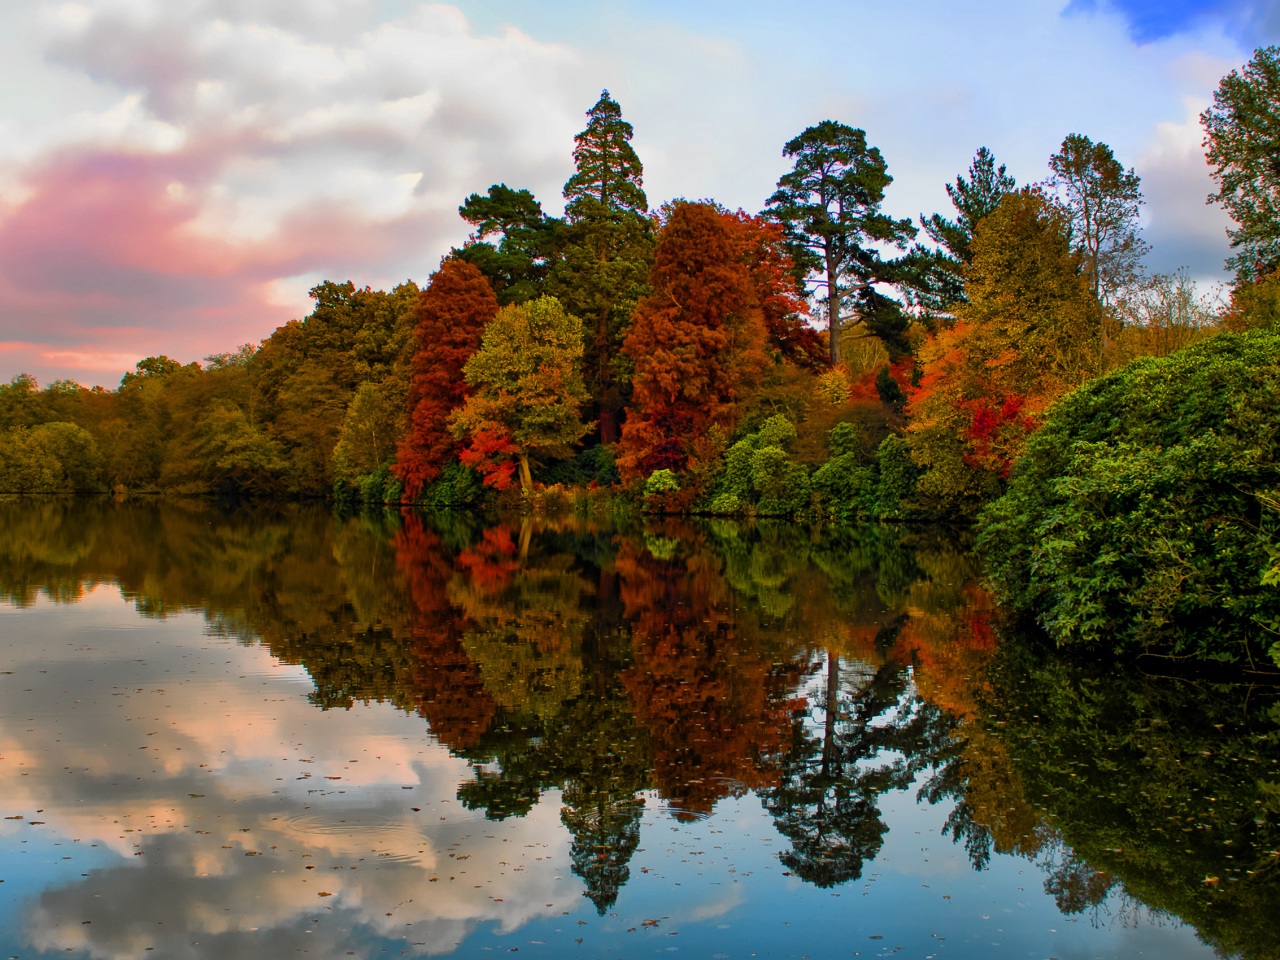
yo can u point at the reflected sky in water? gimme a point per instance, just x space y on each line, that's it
276 732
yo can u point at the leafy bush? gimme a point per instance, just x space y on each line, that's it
1144 514
758 471
593 465
847 487
897 481
458 486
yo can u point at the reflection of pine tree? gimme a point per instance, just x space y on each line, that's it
825 803
606 831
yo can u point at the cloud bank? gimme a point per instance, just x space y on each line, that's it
176 174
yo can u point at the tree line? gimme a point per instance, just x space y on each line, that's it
820 357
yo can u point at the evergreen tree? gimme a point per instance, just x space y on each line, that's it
941 271
829 206
605 251
450 317
518 266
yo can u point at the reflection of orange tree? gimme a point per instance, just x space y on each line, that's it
709 693
529 620
447 683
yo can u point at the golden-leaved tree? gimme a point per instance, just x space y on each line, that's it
528 392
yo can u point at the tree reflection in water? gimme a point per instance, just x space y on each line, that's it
675 665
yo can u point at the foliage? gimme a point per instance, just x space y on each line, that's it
605 249
528 386
759 475
1028 333
449 319
1242 130
697 342
829 208
369 432
1104 201
592 467
49 458
1140 516
308 371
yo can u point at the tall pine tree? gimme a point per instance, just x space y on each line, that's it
829 206
605 251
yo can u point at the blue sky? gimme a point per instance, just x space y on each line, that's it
175 174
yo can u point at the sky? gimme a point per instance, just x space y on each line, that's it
175 175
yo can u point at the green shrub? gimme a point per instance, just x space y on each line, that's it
897 481
847 487
1144 514
457 487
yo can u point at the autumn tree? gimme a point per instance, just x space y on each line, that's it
308 370
519 264
527 389
1242 134
829 207
696 341
1028 333
449 318
1103 199
605 249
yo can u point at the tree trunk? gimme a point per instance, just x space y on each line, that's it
526 476
833 307
833 704
604 381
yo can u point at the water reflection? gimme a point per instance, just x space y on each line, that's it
577 681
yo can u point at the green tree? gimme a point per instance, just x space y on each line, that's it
829 208
528 386
974 199
1242 134
370 432
518 266
605 252
1103 199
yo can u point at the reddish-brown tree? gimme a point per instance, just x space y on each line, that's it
781 299
447 684
697 340
450 316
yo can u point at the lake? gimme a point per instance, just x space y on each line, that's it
261 732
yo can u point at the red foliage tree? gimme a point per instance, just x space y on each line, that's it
697 340
781 299
450 316
447 684
712 698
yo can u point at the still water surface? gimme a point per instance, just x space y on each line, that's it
272 732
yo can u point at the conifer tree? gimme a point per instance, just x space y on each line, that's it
829 206
518 266
606 247
697 341
942 271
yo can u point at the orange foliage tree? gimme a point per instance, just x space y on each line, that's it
450 317
1029 332
697 340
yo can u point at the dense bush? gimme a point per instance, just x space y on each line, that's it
1145 514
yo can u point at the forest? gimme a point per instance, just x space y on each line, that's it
1009 362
